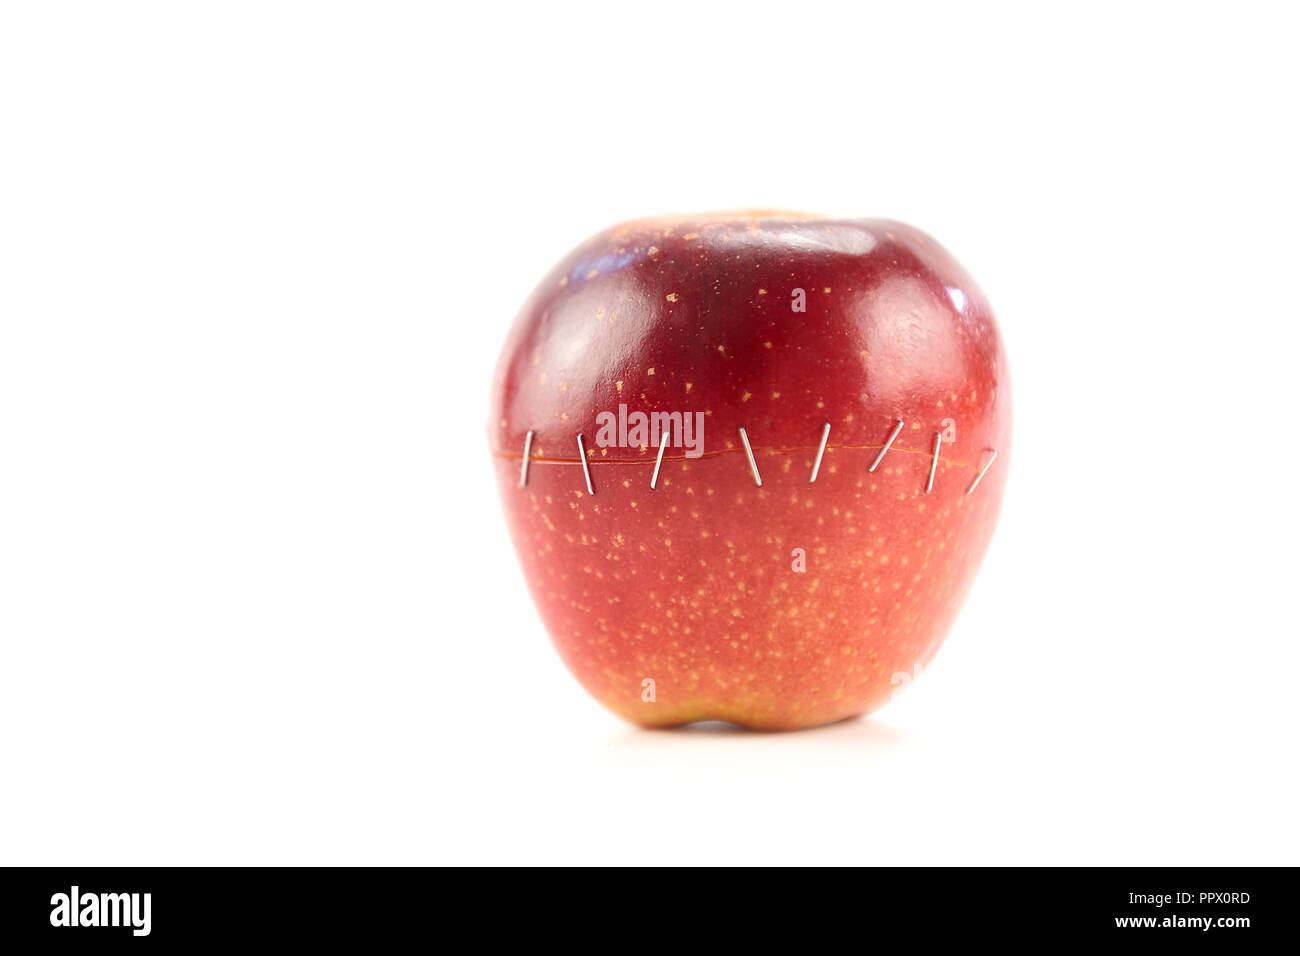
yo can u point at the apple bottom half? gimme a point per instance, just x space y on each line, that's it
692 585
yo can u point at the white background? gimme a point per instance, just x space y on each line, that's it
257 601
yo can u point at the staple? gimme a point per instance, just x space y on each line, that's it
528 450
586 472
750 452
982 470
663 443
821 450
892 435
934 462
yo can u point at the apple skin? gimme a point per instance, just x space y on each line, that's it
692 585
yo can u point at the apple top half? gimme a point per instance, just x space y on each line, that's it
777 323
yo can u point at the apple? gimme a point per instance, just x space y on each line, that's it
765 454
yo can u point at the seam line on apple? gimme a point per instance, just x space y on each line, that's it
753 464
769 449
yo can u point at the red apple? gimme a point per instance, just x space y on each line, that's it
785 604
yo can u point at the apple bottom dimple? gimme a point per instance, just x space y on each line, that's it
757 714
778 607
